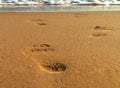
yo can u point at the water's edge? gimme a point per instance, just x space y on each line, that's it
59 8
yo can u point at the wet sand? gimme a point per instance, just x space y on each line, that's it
60 50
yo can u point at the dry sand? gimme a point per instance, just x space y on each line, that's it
60 50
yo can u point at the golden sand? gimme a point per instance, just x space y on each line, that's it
60 50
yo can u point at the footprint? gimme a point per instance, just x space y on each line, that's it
41 23
41 48
102 28
41 54
38 22
53 67
99 34
101 31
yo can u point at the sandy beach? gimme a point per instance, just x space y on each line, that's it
60 50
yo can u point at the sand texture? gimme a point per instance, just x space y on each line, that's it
60 50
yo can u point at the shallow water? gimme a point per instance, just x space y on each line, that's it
58 8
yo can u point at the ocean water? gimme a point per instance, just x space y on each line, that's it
57 8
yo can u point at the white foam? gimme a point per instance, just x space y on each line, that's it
61 2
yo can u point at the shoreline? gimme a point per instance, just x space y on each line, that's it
60 9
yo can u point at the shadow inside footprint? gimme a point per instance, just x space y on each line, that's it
41 23
41 48
101 28
38 21
99 34
54 67
45 45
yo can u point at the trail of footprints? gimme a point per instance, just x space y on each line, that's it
41 55
100 31
44 60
